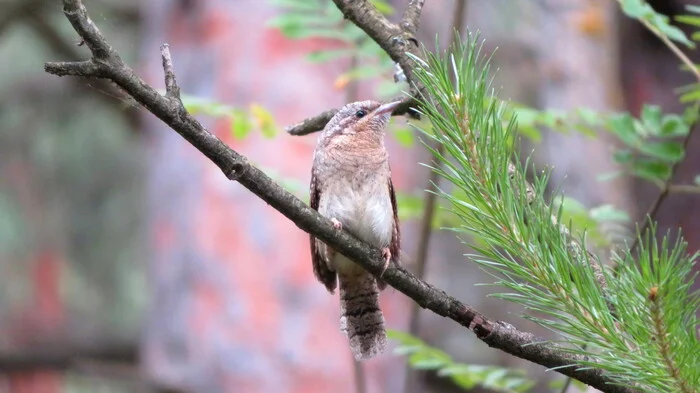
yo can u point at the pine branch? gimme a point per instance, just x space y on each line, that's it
106 63
662 340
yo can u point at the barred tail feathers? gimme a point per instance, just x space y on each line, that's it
361 319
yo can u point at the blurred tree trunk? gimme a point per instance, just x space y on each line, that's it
578 54
68 171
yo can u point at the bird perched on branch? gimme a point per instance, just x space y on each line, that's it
351 185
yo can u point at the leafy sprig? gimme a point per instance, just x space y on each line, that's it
421 356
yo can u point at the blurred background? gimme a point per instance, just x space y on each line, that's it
128 262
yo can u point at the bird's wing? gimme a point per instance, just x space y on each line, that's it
395 246
322 271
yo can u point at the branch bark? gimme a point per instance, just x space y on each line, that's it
68 357
316 123
106 63
411 17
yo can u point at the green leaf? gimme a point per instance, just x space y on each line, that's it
690 96
383 7
609 213
651 169
675 34
693 8
465 381
623 156
530 132
456 369
689 20
264 120
639 9
403 337
292 19
635 8
590 117
674 126
623 127
240 124
429 359
668 151
408 349
494 375
651 117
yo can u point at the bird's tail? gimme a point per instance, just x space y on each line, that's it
361 319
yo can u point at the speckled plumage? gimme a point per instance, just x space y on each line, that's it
351 184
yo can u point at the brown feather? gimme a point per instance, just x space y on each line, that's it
395 246
322 271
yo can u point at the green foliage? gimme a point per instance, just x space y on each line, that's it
531 121
692 20
424 357
657 308
534 259
242 122
303 19
641 10
650 143
603 225
691 93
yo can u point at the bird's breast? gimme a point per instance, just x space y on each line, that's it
363 207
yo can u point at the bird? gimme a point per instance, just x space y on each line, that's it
351 185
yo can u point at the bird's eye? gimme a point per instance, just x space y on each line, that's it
361 113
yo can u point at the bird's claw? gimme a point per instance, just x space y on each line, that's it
386 254
337 224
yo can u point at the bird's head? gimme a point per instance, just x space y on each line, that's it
361 122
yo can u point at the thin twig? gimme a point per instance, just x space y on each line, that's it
64 358
684 189
674 48
172 90
496 334
411 17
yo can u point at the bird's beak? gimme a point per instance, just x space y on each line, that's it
387 109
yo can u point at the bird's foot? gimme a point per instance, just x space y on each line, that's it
386 253
337 224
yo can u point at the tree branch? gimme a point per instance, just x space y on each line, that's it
316 123
68 357
411 17
106 63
